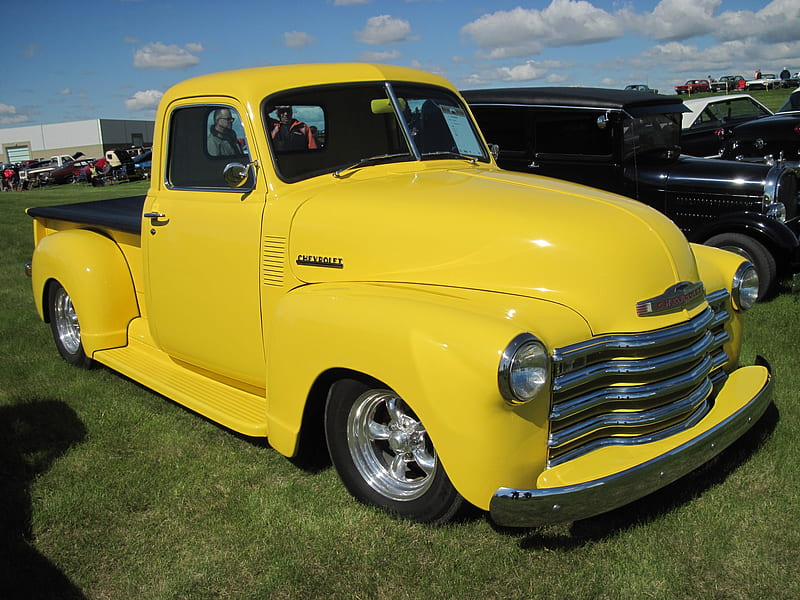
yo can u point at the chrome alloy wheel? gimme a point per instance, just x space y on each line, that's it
389 446
66 322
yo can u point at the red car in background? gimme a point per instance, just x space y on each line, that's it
693 86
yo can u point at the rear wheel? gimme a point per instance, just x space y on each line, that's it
755 252
384 456
65 326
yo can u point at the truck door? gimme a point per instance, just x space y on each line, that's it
201 243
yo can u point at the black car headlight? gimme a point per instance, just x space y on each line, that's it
524 369
745 286
777 211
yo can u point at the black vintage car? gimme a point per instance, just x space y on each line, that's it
629 143
775 137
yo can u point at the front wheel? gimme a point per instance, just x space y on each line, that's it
65 326
754 251
384 456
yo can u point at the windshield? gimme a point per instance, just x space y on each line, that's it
792 103
651 133
728 112
328 129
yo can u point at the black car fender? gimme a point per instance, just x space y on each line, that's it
779 237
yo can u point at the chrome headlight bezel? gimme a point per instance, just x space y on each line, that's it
744 289
524 369
777 211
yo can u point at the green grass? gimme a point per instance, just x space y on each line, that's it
772 99
110 491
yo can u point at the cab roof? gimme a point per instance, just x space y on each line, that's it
249 84
581 97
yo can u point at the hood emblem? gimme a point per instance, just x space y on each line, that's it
330 262
681 296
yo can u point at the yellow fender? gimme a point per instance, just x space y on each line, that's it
94 272
439 349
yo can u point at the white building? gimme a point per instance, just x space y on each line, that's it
92 137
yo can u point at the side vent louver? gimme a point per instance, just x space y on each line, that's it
273 259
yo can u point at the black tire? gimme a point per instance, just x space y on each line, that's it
755 252
65 326
383 454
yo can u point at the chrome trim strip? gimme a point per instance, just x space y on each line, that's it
682 381
597 371
687 406
533 507
636 341
690 422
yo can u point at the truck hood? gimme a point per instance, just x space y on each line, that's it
479 228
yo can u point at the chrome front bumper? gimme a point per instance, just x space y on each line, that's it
534 507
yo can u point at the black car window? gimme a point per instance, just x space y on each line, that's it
572 132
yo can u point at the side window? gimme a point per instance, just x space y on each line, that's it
502 126
202 141
572 132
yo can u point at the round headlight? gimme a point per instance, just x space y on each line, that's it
777 210
524 369
745 286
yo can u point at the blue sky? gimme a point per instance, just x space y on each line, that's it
114 59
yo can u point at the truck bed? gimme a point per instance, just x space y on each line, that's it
124 214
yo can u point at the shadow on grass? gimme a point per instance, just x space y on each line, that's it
658 503
32 437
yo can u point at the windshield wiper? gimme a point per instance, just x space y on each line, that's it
372 160
471 159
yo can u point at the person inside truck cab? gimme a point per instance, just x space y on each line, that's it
222 140
290 134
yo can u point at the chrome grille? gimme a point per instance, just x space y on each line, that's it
637 388
787 193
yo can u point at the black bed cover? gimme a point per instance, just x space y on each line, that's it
124 214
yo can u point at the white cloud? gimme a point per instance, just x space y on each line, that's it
778 21
166 57
551 71
144 100
297 39
675 20
527 71
380 56
384 29
9 115
65 92
522 32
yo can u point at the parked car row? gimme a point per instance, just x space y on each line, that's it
631 144
739 127
114 165
732 83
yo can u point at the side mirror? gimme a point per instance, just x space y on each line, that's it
236 174
494 150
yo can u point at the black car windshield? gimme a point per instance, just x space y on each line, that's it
338 129
651 133
792 103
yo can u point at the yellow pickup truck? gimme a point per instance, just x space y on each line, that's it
329 255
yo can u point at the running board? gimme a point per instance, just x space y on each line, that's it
237 409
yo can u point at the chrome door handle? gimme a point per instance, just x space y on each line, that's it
154 215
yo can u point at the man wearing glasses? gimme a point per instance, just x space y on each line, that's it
222 140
